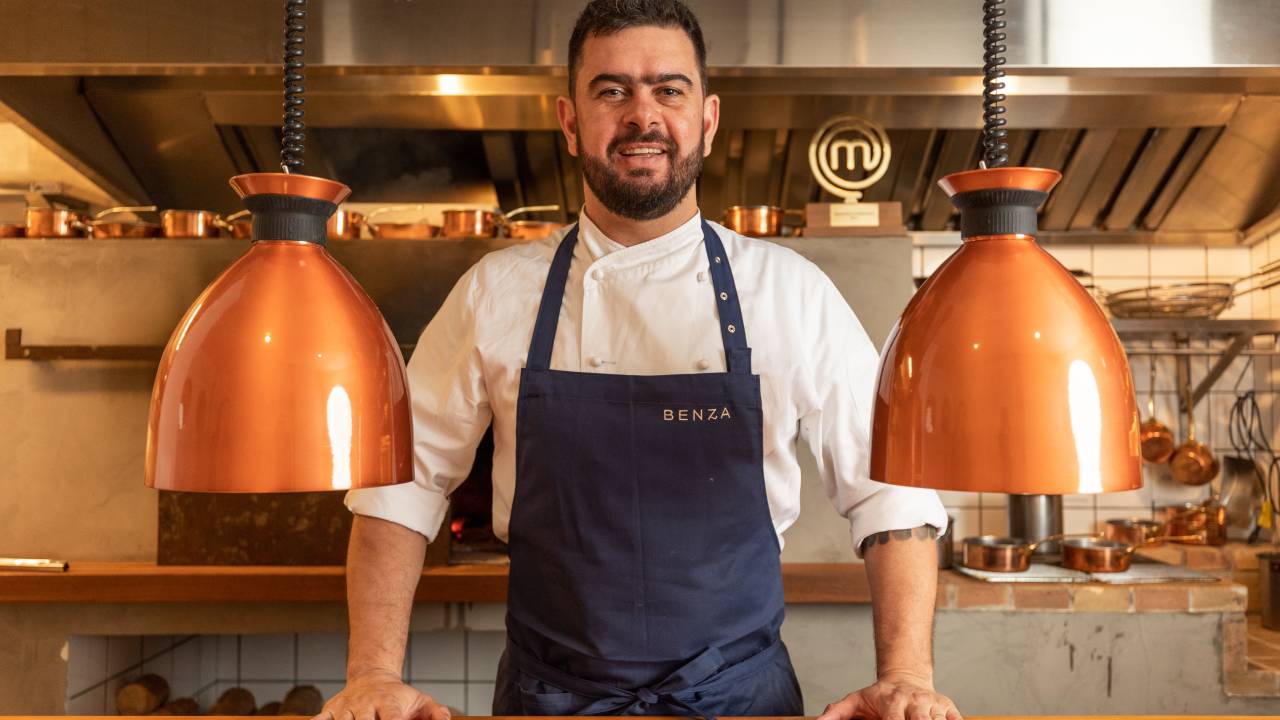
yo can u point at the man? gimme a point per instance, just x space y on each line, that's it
645 454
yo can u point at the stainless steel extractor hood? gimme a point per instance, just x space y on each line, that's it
1164 115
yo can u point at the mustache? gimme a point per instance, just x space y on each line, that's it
653 137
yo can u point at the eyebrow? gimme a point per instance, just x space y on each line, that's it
623 79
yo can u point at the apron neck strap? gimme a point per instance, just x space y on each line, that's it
737 353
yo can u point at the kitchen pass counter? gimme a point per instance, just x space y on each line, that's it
805 583
726 718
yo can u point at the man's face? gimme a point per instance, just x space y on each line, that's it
639 121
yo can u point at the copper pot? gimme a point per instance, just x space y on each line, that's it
470 223
1095 555
13 230
417 230
1202 523
1000 554
532 229
404 231
1133 531
189 224
104 229
756 220
1192 462
345 225
55 223
1157 439
487 223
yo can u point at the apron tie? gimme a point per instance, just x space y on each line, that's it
698 675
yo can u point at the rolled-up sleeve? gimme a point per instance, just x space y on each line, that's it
838 429
450 414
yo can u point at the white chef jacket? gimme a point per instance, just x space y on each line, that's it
649 309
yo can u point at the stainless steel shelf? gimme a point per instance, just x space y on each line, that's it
1240 333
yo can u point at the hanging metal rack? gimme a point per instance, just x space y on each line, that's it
1238 334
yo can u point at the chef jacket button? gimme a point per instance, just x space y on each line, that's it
732 329
702 277
596 361
597 274
703 364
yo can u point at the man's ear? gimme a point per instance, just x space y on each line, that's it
568 116
710 122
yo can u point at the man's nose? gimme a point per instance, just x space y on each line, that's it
643 112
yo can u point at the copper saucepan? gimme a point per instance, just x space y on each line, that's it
470 223
104 229
532 229
1095 555
757 220
417 230
190 224
1192 462
345 225
485 223
1157 440
1205 523
55 223
529 229
1133 531
993 553
13 230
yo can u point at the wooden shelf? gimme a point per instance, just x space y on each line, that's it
15 350
105 582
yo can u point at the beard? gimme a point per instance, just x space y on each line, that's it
634 195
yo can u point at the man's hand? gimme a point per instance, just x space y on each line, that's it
381 695
894 697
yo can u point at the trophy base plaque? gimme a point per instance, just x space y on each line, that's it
853 218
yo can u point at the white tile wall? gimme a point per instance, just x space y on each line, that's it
456 666
479 698
267 657
433 655
1120 267
322 655
453 694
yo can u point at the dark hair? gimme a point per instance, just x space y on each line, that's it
607 17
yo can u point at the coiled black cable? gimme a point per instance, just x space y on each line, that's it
294 131
1248 436
995 143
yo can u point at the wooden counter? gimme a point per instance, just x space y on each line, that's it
804 583
104 582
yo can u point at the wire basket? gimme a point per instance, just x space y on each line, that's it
1181 300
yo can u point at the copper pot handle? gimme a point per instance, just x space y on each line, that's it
1160 539
225 222
1031 547
124 209
504 218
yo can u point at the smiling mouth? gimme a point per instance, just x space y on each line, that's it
642 152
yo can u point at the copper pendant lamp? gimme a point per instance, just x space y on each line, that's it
282 376
1003 375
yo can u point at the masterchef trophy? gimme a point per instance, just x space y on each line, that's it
848 155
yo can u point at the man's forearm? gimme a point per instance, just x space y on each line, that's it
902 568
384 565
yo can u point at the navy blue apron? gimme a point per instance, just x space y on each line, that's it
645 576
